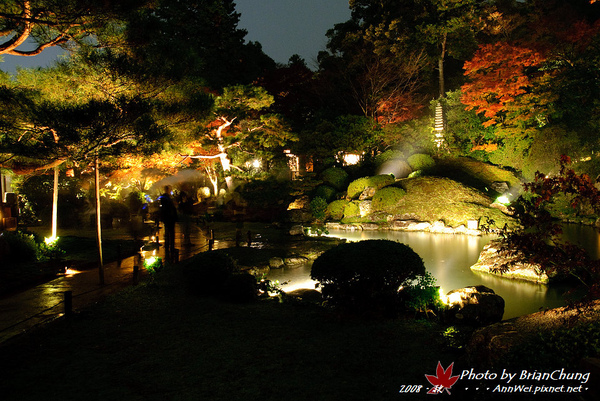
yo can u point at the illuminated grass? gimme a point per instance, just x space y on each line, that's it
433 198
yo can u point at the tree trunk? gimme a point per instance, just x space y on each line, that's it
54 205
441 66
98 222
225 161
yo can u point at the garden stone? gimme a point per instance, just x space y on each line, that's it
370 227
491 257
418 226
476 305
365 208
297 230
276 263
500 186
306 294
295 262
367 193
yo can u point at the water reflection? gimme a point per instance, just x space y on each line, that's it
449 257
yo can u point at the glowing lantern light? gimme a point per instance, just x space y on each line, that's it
503 200
51 241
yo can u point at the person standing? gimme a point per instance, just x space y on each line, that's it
168 215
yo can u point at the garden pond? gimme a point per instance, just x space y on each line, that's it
449 257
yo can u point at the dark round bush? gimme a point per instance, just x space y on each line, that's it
335 177
326 192
364 277
18 247
208 272
240 287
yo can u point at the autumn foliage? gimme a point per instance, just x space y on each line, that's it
499 81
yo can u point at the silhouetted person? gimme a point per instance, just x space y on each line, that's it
168 215
186 210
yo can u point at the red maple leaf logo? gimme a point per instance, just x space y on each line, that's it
443 379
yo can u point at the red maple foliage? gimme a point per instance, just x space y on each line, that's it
443 379
498 81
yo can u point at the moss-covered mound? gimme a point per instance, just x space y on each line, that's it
434 198
356 187
386 199
475 173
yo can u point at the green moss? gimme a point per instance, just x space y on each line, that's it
434 198
356 187
352 209
421 161
335 209
387 198
388 155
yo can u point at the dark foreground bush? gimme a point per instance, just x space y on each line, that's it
209 273
241 287
364 277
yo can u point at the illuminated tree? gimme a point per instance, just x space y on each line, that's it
54 22
241 123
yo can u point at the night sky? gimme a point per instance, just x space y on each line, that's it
283 27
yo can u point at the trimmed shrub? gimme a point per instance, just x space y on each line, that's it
241 287
421 161
318 208
352 209
365 277
335 177
387 198
326 192
356 187
335 209
209 273
387 156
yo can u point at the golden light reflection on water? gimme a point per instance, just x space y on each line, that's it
448 258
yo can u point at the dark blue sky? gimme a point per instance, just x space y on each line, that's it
283 27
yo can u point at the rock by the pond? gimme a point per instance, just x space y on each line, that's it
306 294
297 230
492 257
295 261
476 306
489 345
499 186
276 263
365 208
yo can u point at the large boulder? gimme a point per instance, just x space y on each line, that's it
493 256
476 306
490 345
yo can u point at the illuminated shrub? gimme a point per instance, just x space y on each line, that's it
386 199
318 208
420 161
208 272
335 210
356 187
387 156
352 209
335 177
364 277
